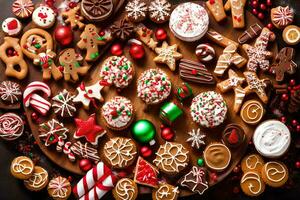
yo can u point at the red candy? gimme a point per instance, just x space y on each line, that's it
161 34
85 165
167 133
146 151
136 51
116 49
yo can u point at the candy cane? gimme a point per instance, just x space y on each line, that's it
30 98
97 174
65 148
101 188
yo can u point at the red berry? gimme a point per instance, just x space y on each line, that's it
211 1
254 11
297 164
236 169
34 116
284 97
270 26
298 128
85 165
72 4
263 6
269 2
292 82
167 133
146 151
261 15
294 122
161 34
254 4
283 119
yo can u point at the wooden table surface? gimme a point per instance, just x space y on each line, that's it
11 188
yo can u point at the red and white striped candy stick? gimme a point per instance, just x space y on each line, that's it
101 188
30 98
97 173
68 151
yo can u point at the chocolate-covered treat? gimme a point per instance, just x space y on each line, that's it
205 52
294 104
233 135
63 104
253 31
195 180
159 11
284 63
195 72
122 29
136 10
96 10
10 92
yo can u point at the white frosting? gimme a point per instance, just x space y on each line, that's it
11 26
272 138
189 21
43 17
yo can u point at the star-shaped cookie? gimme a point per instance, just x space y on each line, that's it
88 129
168 55
233 82
88 94
256 85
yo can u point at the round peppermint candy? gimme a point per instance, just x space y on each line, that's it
11 126
208 109
189 21
43 17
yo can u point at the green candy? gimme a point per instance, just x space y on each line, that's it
143 131
200 162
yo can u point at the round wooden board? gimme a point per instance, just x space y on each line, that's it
182 126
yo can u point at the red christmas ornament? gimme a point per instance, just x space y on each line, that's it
292 82
283 119
254 11
261 15
63 35
146 151
34 117
161 34
269 2
284 97
297 164
270 26
137 51
254 4
85 165
294 122
167 133
116 49
263 6
72 4
298 128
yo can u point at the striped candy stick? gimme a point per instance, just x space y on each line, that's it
99 172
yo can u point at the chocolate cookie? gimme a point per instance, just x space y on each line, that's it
233 135
96 10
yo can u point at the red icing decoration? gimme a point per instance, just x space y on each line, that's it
42 15
13 24
145 173
233 137
88 129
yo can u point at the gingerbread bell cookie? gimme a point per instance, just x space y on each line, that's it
125 189
282 16
275 174
38 181
237 11
91 38
14 59
258 55
284 63
171 158
37 44
59 188
120 152
252 112
70 61
252 162
217 156
252 184
22 167
165 192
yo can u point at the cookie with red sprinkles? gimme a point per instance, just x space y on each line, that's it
208 109
154 86
118 113
118 71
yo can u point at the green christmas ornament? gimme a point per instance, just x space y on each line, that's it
143 131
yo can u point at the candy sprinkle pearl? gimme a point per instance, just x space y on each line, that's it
200 162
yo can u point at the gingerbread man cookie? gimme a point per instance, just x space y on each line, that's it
284 63
73 18
233 82
227 58
258 55
13 60
70 61
37 44
237 12
256 85
90 40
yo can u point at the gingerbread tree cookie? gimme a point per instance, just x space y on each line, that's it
256 85
73 18
90 40
228 58
284 63
168 55
233 82
70 61
258 55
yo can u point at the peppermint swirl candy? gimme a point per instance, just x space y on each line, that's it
272 138
205 52
11 126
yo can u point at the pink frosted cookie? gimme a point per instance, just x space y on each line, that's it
118 71
11 26
153 86
189 21
23 8
118 113
208 109
43 17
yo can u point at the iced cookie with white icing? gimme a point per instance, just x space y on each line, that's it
272 138
43 17
11 26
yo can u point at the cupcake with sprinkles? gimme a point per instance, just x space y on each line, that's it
117 71
154 86
208 109
118 113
